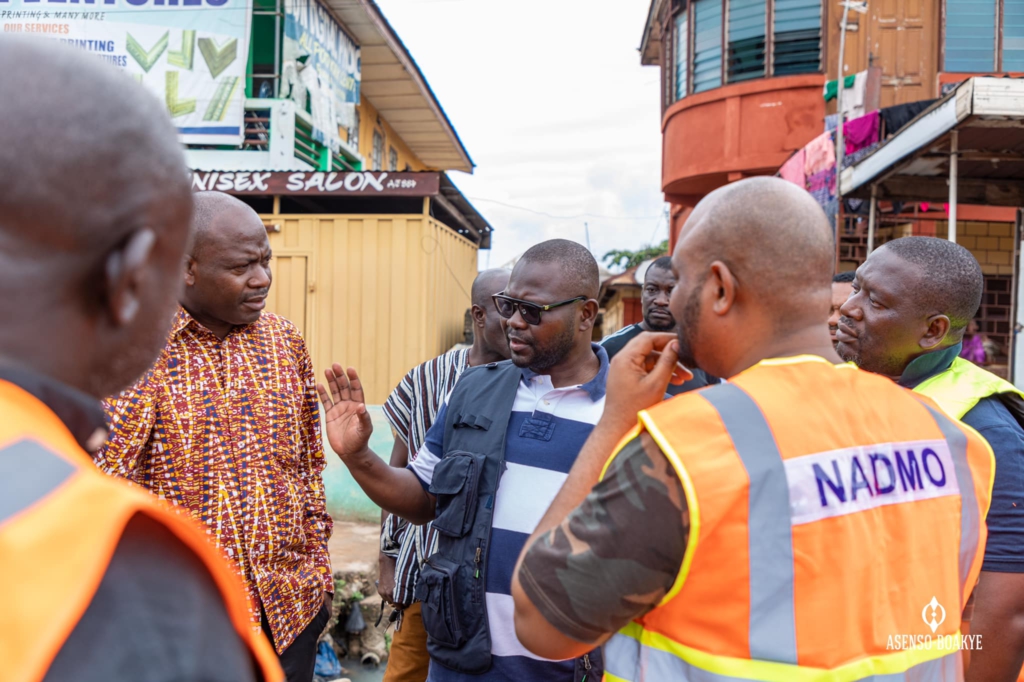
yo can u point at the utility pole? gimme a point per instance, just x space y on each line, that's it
860 7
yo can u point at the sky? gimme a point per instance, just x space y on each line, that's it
550 100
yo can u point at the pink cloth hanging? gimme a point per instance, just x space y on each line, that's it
819 154
793 170
861 132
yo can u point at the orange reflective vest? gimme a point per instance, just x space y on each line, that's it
837 530
60 522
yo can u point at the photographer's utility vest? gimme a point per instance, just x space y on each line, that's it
465 481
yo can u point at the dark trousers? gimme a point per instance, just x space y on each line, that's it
299 659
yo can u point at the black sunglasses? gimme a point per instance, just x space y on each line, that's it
530 311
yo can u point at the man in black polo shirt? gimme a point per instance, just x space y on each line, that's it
659 280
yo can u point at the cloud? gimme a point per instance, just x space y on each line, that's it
553 105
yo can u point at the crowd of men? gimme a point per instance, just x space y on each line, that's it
752 489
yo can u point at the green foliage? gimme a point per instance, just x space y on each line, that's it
625 259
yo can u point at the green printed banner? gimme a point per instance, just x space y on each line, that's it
191 53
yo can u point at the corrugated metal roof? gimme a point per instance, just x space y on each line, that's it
913 165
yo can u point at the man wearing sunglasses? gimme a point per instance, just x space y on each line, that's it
492 462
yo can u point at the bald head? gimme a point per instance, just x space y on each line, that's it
94 217
488 283
213 208
116 152
755 262
774 237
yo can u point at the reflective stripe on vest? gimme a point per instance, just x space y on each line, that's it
28 473
772 621
627 660
640 655
969 517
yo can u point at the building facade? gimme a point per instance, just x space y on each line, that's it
315 114
742 90
375 249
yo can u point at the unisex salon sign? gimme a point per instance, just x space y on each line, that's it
357 183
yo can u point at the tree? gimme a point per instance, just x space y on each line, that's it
625 259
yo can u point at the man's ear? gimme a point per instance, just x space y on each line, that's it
722 286
190 271
125 272
479 316
938 328
588 314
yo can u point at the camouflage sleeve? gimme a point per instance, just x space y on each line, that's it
612 560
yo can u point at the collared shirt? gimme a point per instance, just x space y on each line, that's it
155 596
230 430
546 431
1004 551
411 409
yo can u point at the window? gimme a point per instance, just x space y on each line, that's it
1013 35
971 29
377 155
707 44
392 159
746 39
681 50
796 31
970 35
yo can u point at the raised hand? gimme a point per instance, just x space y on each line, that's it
348 424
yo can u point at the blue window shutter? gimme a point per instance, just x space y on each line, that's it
1013 35
746 39
682 54
970 35
797 32
707 44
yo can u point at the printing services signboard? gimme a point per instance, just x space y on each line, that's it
191 53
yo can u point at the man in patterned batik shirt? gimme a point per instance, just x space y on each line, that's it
226 425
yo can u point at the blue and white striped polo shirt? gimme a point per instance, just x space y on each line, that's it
546 431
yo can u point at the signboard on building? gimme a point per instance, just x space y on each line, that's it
321 62
356 183
191 54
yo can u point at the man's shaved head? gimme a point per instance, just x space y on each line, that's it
488 283
209 208
755 262
94 216
572 259
115 151
772 234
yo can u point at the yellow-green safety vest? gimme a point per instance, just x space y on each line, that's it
962 386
